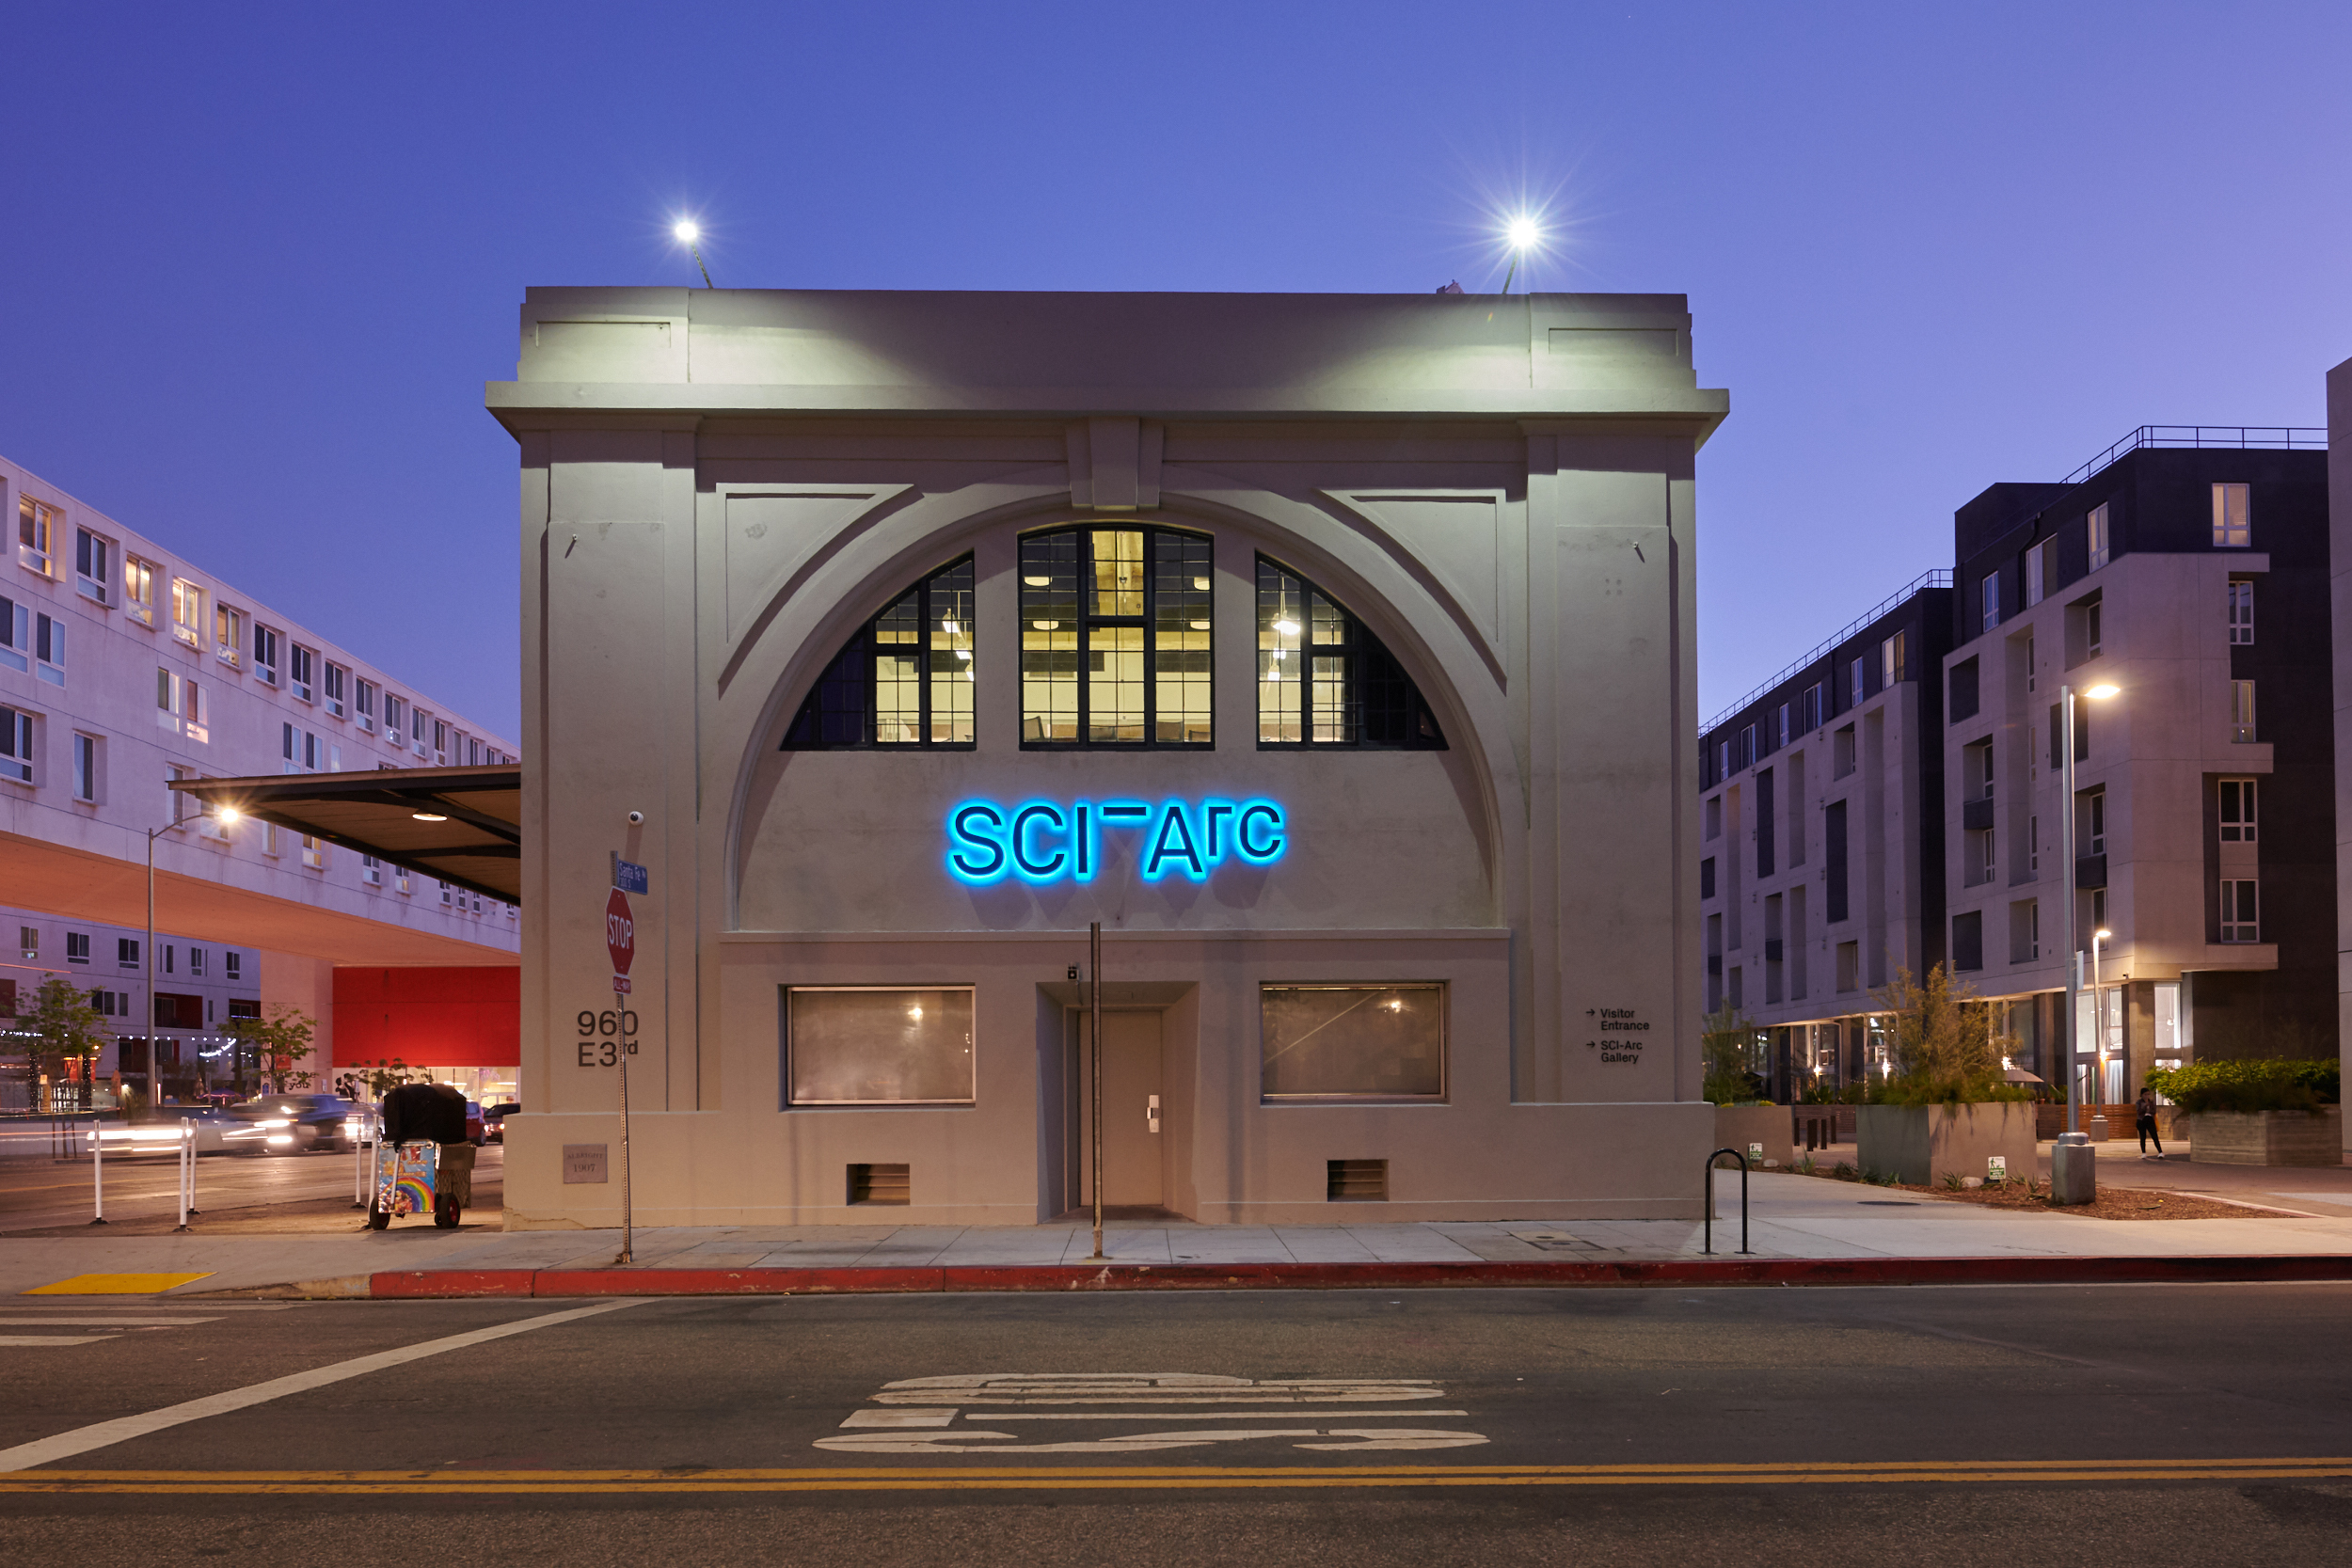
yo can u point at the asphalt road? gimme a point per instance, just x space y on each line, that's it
293 1190
2164 1424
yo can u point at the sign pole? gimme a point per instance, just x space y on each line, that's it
628 1214
1094 994
620 943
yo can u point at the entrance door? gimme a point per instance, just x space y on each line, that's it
1133 1168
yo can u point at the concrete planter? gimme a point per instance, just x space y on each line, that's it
2267 1137
1919 1144
1743 1127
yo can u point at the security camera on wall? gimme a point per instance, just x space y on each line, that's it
636 818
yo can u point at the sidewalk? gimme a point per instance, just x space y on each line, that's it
1802 1230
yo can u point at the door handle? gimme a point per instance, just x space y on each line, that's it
1152 1111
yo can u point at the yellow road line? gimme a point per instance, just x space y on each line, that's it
1152 1478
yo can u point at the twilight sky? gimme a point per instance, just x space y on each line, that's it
262 258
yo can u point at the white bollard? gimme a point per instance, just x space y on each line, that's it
187 1172
360 1144
98 1172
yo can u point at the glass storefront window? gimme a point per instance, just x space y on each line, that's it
1353 1043
871 1045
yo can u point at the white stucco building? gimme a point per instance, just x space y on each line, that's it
1334 652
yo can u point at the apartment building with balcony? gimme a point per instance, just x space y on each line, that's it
1822 839
124 664
2195 580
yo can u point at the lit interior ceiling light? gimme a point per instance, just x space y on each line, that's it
951 628
914 1012
1201 626
1039 582
1202 583
1288 628
1047 626
428 817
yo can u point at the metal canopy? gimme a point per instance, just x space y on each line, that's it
463 825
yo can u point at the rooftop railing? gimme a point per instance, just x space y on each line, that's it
2278 437
1936 577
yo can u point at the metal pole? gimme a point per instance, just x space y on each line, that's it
628 1232
184 1130
2066 874
1094 993
98 1172
154 1081
2099 1028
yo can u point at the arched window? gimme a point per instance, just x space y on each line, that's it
905 679
1115 637
1325 680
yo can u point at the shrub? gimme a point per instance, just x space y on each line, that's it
1727 1046
2251 1086
1945 1046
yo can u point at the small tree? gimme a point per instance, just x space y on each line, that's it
1726 1047
1943 1042
66 1028
280 1042
383 1075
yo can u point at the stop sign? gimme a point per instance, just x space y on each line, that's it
620 932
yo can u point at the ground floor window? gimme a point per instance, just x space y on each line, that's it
1353 1043
877 1045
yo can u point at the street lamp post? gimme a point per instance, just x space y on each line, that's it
2074 1135
2098 1015
229 815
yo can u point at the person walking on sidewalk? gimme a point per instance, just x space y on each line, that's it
2146 1117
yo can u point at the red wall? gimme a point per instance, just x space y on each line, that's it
429 1017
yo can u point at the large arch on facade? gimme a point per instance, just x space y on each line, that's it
766 679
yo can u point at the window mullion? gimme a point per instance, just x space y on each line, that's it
1151 567
923 664
871 661
1082 617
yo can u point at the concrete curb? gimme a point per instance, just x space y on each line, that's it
445 1284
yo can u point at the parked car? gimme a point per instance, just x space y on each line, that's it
291 1124
494 1120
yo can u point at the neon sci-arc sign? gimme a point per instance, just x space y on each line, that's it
1040 842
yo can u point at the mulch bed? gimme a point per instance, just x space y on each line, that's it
2113 1203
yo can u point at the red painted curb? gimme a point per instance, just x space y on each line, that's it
1342 1276
735 1282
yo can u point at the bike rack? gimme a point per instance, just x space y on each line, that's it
1709 1192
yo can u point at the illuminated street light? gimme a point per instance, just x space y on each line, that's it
1523 236
2067 870
687 231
